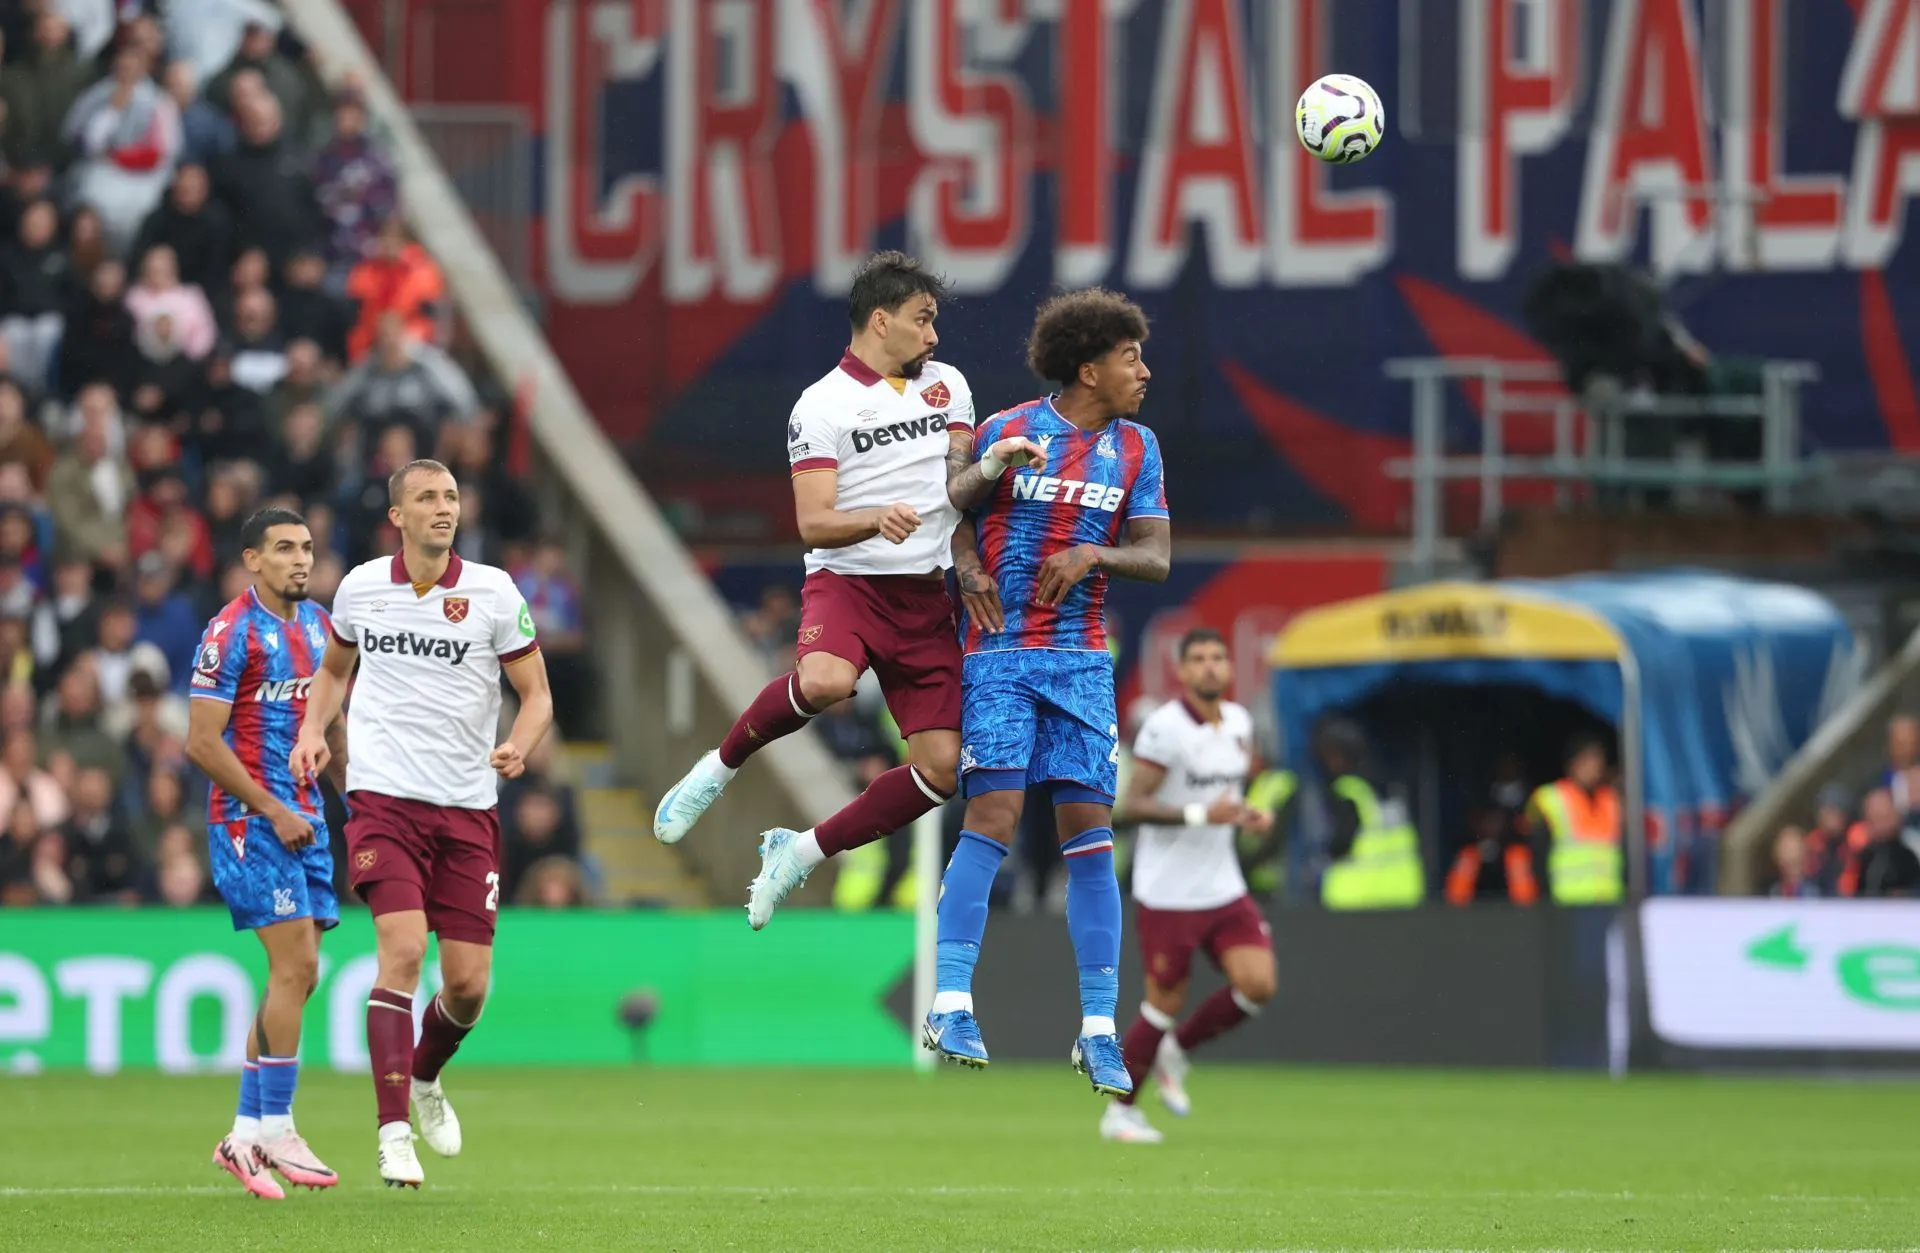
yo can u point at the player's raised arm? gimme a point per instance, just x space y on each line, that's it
822 525
311 755
969 481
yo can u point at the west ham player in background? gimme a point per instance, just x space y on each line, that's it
266 830
432 635
1191 762
867 445
1039 706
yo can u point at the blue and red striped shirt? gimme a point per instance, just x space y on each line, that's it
1093 484
262 665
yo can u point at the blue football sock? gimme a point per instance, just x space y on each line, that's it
1093 921
964 890
278 1077
249 1092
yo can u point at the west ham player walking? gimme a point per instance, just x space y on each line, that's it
1039 703
431 634
266 829
867 445
1191 763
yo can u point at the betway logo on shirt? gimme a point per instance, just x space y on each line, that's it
283 690
898 432
1090 495
407 644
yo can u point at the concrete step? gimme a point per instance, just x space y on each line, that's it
617 827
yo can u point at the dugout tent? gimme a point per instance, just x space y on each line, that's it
1709 681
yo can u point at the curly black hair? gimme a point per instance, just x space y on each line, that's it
1081 326
888 280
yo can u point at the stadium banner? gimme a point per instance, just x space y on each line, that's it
1783 975
175 990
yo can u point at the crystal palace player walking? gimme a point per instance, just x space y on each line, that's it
1192 760
1039 680
266 830
867 445
432 634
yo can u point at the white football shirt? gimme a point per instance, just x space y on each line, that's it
1192 867
888 447
426 703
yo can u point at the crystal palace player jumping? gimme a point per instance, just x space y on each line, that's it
267 834
867 445
432 634
1039 679
1191 763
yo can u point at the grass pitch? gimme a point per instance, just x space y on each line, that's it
1010 1159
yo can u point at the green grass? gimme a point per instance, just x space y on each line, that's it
779 1160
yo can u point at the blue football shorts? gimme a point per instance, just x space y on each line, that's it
1040 716
264 882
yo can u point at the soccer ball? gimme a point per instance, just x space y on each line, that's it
1340 118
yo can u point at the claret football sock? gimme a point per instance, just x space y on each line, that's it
440 1036
778 710
964 892
1223 1011
1093 923
1141 1044
890 802
390 1050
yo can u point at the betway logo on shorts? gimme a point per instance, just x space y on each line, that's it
898 432
407 644
283 690
1067 491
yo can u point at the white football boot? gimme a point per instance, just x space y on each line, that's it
438 1125
686 800
1125 1124
1170 1067
399 1164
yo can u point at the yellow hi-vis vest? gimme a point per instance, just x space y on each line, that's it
1383 870
1584 863
1271 792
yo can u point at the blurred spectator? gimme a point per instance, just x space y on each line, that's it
161 294
178 876
121 652
166 617
93 23
20 542
51 873
552 883
36 288
775 622
87 248
1828 841
325 580
469 448
553 597
40 89
67 623
405 381
358 188
535 828
398 278
259 52
308 311
302 384
127 132
249 272
21 441
16 651
24 782
1880 864
258 349
205 132
166 380
261 180
197 228
232 423
154 731
19 833
89 492
74 730
17 593
1790 877
207 33
100 856
229 499
98 344
163 803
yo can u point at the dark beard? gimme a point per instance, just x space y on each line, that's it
294 595
911 370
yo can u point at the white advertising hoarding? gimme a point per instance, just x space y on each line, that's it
1781 974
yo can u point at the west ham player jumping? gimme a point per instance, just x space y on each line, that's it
867 445
1191 763
1039 704
266 829
432 635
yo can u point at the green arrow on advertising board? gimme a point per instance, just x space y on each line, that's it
1778 949
1880 976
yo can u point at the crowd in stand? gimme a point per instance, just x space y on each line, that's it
209 303
1864 847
